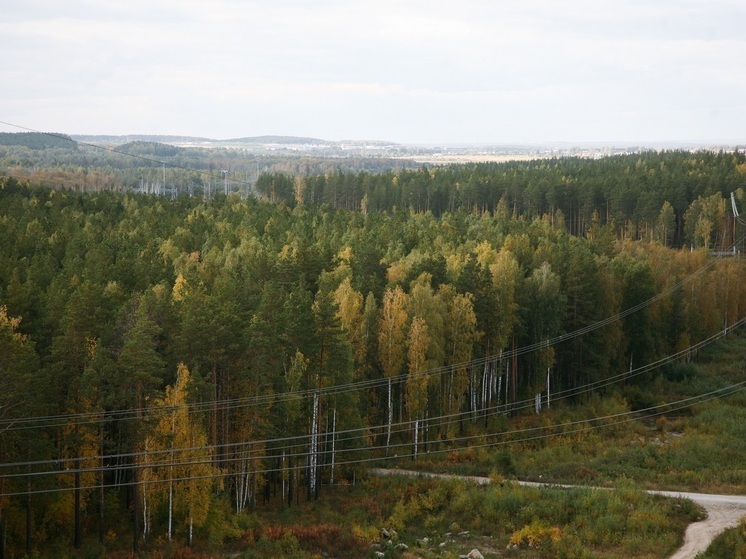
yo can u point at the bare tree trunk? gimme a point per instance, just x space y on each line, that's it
314 447
334 434
499 391
170 506
390 419
145 514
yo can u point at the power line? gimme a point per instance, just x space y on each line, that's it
577 426
96 417
294 441
34 422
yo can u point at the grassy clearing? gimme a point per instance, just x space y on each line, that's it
431 518
699 448
702 448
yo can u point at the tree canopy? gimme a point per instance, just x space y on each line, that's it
200 349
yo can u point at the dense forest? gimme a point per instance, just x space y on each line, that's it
177 360
677 198
642 196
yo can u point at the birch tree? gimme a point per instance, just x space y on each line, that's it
461 336
391 345
332 363
417 379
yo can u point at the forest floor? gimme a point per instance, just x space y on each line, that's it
723 511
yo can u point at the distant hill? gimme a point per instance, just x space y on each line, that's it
112 140
37 140
171 139
131 138
276 140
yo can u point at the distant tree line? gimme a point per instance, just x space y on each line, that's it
647 196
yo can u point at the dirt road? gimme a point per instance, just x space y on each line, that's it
723 511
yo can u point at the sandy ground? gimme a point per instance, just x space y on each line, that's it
723 512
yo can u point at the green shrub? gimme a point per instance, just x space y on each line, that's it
502 461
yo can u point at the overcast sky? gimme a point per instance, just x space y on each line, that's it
479 71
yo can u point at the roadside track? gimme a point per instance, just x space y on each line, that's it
723 511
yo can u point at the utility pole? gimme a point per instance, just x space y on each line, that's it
735 220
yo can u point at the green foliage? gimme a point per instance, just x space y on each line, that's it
560 522
262 299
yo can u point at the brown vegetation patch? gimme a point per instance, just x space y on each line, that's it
329 539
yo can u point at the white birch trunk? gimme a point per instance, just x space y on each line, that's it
144 514
499 389
484 385
472 392
493 382
239 489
